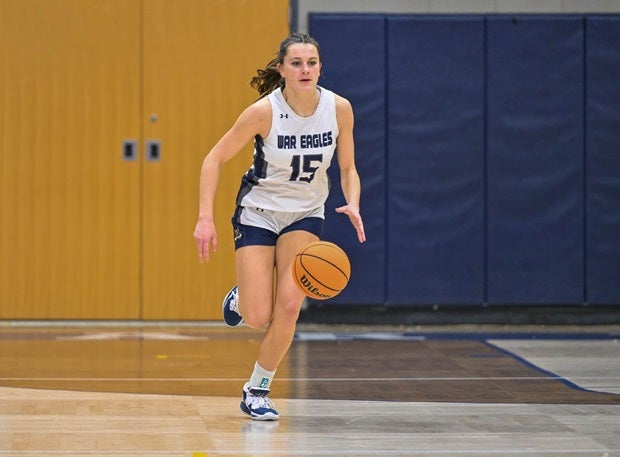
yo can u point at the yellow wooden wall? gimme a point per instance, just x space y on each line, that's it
85 234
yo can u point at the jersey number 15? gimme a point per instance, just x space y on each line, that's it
304 171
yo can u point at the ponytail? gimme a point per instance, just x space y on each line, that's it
269 79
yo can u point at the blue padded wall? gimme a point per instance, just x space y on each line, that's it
488 149
603 160
535 147
435 209
358 40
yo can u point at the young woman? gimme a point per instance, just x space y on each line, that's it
296 126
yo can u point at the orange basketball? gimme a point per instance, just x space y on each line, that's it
321 270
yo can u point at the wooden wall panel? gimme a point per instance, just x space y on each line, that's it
198 59
85 234
69 203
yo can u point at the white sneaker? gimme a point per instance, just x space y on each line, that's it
256 404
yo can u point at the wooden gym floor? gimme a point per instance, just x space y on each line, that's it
72 389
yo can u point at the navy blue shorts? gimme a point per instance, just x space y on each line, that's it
257 227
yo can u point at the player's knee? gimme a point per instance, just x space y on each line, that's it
257 317
289 310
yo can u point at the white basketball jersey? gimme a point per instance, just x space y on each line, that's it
289 172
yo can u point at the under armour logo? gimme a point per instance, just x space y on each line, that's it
283 116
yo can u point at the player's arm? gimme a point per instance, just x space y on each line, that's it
256 119
349 178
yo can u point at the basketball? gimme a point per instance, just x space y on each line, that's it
321 270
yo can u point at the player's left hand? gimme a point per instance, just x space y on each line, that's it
354 216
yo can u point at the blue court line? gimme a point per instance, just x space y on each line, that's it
550 374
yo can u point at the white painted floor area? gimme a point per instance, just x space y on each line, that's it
590 364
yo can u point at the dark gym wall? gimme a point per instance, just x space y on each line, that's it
435 161
489 152
535 115
602 160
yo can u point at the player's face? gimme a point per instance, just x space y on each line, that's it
301 67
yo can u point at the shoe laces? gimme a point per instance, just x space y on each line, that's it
234 301
260 400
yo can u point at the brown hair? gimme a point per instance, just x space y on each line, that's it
269 79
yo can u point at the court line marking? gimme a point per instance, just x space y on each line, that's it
572 383
398 379
534 452
313 336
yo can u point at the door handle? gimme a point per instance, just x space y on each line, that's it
153 150
130 150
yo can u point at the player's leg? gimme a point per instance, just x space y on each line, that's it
255 276
281 330
288 300
254 258
255 281
251 299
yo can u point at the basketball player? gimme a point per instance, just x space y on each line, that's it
296 126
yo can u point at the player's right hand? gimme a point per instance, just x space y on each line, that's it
206 239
